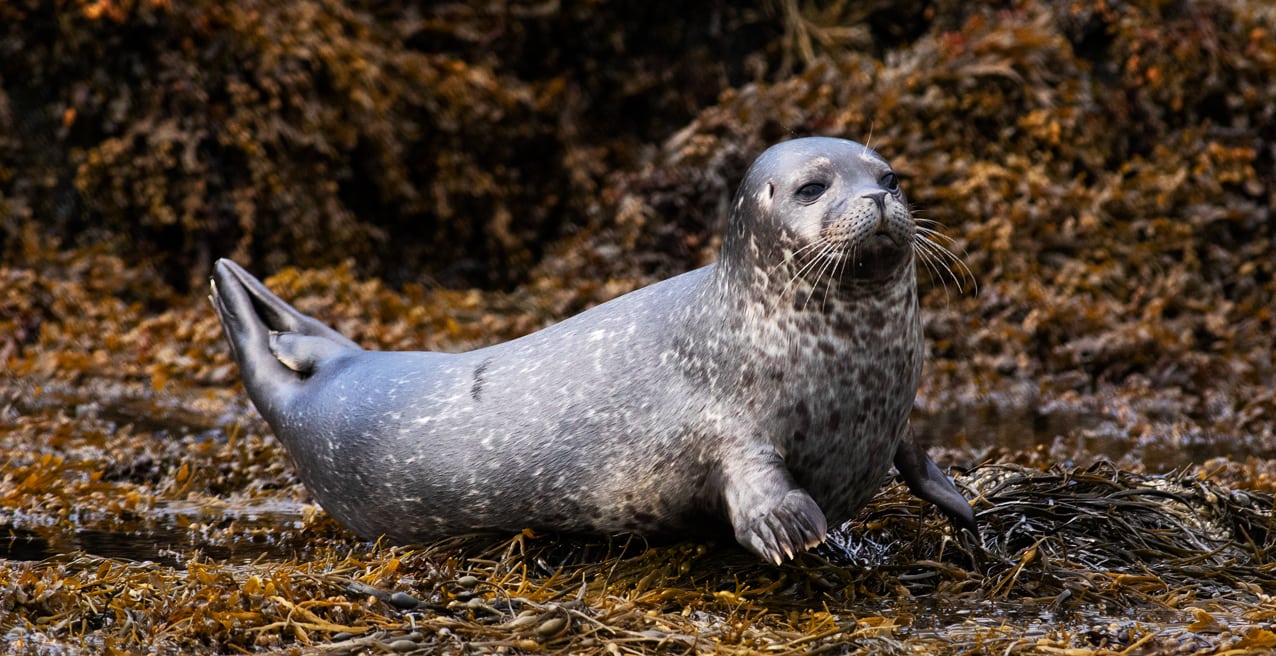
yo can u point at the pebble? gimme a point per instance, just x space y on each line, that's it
403 645
404 600
551 626
525 620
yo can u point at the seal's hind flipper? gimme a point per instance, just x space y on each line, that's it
927 482
278 315
255 321
303 353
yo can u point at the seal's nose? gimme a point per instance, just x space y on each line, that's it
879 197
880 221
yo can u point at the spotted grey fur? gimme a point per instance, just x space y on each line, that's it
769 392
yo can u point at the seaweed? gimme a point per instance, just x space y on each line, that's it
1190 556
462 137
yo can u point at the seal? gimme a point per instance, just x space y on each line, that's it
769 392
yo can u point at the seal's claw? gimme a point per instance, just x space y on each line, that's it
760 542
789 527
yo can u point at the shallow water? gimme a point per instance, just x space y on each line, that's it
1076 437
170 534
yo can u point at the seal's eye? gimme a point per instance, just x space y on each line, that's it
810 191
889 182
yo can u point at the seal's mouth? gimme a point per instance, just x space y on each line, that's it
878 246
883 237
876 254
882 240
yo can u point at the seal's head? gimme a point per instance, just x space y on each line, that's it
829 205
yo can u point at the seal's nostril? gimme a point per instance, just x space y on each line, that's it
879 197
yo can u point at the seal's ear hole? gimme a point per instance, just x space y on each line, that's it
770 190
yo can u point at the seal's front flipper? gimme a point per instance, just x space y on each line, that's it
771 515
927 482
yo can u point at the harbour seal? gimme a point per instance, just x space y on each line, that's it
769 392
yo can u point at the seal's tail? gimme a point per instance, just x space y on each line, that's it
277 347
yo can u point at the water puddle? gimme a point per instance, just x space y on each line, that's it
937 617
1078 437
173 534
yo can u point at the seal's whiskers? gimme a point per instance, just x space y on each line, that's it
839 268
826 260
790 258
806 267
929 245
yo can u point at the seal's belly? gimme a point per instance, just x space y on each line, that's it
843 460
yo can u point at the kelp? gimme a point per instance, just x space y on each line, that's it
1192 557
